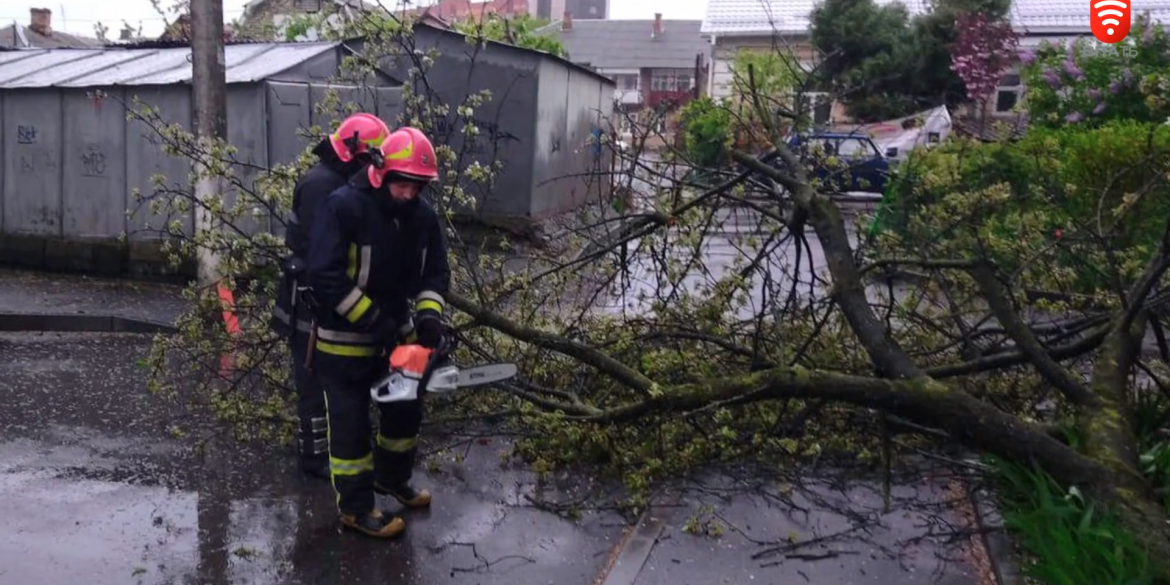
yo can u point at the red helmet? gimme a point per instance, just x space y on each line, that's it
358 133
407 153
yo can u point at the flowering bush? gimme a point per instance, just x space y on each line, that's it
1060 205
984 49
1089 83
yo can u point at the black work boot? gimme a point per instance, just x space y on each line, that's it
377 523
406 494
315 466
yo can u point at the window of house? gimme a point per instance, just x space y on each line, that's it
683 82
1009 92
629 82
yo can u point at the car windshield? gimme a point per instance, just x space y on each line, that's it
854 147
846 147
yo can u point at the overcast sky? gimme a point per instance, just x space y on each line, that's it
79 16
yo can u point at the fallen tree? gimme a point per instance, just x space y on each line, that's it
759 350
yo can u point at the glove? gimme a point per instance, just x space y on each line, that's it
429 330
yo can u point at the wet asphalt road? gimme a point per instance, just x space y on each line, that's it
92 488
28 292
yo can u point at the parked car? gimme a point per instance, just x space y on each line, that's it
860 167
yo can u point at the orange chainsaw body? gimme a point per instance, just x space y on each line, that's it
410 359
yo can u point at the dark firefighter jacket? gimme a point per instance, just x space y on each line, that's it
365 252
328 175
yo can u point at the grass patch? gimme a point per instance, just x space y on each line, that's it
1066 539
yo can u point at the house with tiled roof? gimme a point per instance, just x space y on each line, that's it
659 64
39 34
764 25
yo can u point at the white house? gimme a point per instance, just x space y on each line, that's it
731 25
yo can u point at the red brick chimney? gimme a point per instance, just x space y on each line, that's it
567 21
41 21
657 24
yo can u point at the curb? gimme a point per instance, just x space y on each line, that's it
1000 552
50 322
631 553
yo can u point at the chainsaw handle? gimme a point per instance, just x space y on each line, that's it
438 357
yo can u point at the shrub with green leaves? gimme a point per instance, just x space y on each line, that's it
1058 194
706 128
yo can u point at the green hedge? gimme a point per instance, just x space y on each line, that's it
1053 179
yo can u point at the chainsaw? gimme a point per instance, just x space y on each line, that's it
416 370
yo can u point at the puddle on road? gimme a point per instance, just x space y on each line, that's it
93 492
75 511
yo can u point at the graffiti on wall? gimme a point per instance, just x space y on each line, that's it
36 161
26 134
490 135
93 161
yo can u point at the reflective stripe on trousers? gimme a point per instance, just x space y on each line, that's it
283 317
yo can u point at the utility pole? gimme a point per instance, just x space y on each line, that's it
209 97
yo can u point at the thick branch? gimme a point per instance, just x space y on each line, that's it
546 340
1109 431
1009 359
1001 305
848 287
923 401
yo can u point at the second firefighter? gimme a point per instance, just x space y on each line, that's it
376 251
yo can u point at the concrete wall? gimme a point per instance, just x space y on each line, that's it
572 107
71 163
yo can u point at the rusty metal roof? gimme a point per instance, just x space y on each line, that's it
112 66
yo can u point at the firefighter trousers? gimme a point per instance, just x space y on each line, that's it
312 439
356 458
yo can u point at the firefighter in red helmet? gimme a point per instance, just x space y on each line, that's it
378 253
340 155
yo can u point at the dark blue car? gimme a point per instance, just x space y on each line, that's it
861 166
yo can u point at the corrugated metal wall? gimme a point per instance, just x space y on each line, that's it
569 165
71 162
506 121
526 87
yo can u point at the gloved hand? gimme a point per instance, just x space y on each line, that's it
429 330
